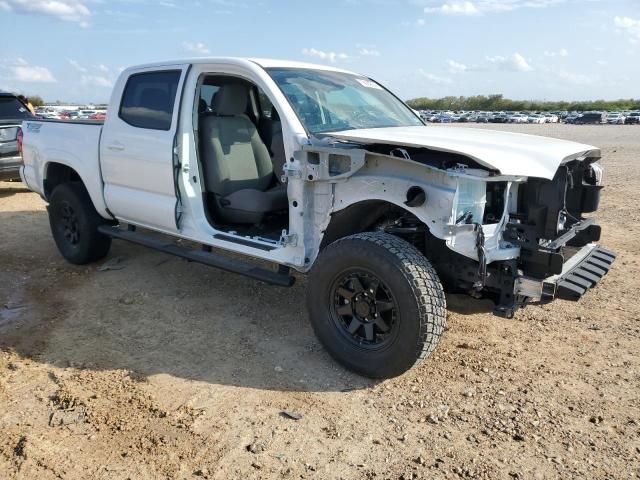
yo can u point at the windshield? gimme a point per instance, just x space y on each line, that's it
332 101
11 108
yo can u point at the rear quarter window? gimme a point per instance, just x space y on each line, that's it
148 99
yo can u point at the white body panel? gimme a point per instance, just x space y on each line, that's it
137 165
508 153
71 144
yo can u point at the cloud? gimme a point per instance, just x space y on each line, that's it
455 67
560 53
32 73
480 7
96 81
576 78
512 63
19 70
95 77
629 26
77 66
368 52
420 22
197 47
327 56
454 8
436 79
66 10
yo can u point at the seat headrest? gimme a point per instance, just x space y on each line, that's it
231 99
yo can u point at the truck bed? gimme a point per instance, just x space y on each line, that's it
74 143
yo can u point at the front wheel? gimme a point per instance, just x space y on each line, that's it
74 224
376 304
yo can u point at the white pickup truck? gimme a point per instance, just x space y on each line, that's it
324 171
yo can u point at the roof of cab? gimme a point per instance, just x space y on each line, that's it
263 62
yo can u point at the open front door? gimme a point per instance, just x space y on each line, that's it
137 148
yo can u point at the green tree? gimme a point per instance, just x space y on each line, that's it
36 100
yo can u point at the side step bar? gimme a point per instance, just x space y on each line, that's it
228 264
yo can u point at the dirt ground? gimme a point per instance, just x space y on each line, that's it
159 368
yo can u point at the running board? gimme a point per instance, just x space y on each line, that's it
228 264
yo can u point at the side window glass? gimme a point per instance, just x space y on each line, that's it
207 92
148 99
265 104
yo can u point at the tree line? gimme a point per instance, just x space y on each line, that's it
35 100
499 103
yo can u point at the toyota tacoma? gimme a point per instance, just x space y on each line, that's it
325 172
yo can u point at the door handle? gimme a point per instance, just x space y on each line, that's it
115 147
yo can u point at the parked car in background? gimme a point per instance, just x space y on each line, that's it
537 118
518 118
98 116
68 115
12 113
590 118
500 117
86 113
444 118
615 118
633 118
571 117
550 117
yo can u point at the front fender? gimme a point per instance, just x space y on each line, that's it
330 180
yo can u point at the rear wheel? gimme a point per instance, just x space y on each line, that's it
74 224
376 304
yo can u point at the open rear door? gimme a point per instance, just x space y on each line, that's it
137 148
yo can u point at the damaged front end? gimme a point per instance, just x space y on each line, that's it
558 254
498 215
523 241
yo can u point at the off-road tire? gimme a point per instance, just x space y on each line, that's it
413 284
83 243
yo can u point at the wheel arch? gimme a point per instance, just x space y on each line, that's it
56 173
361 216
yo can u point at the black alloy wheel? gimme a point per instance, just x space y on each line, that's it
364 309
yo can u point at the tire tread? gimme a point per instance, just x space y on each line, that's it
423 281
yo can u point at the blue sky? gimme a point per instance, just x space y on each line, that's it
73 50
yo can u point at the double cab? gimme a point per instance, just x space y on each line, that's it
325 172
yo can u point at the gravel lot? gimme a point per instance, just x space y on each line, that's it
158 368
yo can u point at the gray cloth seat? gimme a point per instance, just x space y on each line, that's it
238 172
